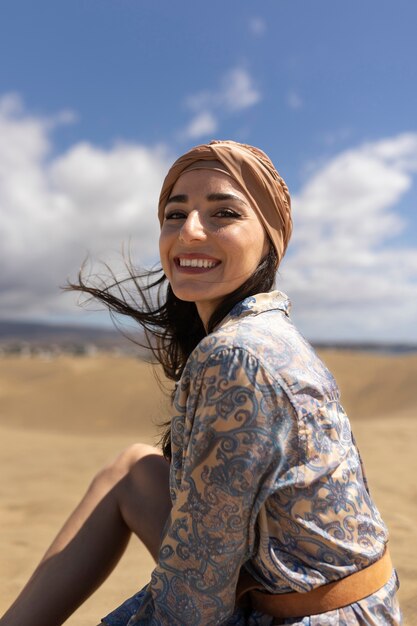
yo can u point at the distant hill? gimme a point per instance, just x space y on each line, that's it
367 346
18 336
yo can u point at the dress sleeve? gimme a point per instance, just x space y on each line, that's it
237 431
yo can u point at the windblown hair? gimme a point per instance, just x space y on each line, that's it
172 326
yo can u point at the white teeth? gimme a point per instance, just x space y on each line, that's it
197 263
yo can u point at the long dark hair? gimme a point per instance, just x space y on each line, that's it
172 327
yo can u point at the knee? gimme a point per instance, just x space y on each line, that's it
122 466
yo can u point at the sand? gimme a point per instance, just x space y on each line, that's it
63 418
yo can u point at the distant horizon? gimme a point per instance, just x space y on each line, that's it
114 333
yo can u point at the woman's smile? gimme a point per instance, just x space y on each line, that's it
195 263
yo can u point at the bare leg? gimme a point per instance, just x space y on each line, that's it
129 495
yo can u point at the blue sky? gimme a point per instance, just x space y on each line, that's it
98 96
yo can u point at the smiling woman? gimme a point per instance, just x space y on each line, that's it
258 511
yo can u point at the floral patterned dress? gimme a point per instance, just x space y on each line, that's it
265 475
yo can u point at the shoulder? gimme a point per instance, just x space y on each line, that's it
268 336
249 334
269 342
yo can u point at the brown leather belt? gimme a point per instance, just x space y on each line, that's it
328 597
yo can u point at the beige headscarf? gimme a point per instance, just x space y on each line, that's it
254 172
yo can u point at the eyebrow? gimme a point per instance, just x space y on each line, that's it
182 198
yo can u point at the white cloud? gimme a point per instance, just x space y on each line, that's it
346 272
236 92
11 104
202 124
55 210
257 26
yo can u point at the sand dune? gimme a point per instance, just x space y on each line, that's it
61 419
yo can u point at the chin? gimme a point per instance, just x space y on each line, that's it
191 294
186 295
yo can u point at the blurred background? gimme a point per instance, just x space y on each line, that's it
97 98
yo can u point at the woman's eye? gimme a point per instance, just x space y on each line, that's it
227 213
175 215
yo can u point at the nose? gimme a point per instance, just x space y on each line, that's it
193 228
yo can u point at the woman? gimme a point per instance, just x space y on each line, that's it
267 519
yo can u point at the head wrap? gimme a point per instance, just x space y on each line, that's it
254 172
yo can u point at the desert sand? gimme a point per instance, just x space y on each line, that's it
63 418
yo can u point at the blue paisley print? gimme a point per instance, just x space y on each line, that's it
265 475
240 307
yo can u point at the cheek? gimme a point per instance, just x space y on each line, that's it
260 242
263 241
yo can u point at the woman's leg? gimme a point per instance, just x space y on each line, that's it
129 495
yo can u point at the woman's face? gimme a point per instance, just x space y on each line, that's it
211 239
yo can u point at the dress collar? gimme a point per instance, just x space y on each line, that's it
253 305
